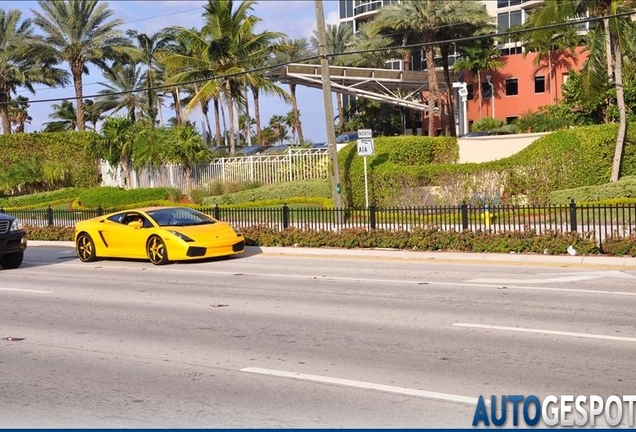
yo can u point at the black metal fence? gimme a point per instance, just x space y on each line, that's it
598 221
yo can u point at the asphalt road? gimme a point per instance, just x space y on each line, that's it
299 340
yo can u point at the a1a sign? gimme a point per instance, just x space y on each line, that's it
365 142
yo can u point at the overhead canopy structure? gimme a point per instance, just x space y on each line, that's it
397 87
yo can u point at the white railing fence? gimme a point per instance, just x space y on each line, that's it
295 164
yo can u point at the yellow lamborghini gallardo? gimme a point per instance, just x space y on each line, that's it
160 234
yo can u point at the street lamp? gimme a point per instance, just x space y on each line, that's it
492 93
463 94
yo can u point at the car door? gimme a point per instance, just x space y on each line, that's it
124 237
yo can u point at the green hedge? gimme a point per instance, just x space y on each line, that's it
605 193
41 161
392 167
317 191
565 159
41 200
112 197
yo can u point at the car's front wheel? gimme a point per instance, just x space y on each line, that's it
11 260
156 251
85 248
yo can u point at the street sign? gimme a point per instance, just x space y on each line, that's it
365 133
365 146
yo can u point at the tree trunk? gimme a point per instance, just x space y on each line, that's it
620 101
217 121
77 69
449 91
432 89
177 105
297 125
481 96
4 111
230 114
341 116
608 47
257 115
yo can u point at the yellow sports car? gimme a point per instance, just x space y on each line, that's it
160 234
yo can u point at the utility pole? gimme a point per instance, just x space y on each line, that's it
326 93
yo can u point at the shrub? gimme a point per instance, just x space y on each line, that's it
112 197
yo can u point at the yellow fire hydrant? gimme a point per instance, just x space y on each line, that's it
486 217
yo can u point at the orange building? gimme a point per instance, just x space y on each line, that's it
522 85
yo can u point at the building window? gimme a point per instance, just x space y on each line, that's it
539 84
486 90
507 21
511 119
471 92
512 86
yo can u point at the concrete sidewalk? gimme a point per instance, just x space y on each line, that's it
596 261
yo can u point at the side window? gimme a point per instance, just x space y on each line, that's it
512 87
118 218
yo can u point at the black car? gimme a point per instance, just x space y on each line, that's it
12 242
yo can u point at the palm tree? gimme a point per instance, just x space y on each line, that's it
609 44
277 124
459 19
234 46
475 58
116 144
338 40
295 51
415 20
188 61
188 150
24 61
262 54
80 33
19 113
122 90
65 118
149 47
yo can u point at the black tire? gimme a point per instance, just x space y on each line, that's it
85 248
157 251
11 260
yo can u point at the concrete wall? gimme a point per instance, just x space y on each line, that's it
489 148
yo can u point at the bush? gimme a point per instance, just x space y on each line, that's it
279 193
40 200
604 193
112 197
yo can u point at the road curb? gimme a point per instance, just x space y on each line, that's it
554 260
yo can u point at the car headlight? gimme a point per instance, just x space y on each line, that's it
183 237
16 225
236 231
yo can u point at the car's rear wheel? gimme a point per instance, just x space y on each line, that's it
156 251
11 260
85 248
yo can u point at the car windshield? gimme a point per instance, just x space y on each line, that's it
179 216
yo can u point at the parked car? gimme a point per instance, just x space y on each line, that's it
346 137
12 242
275 149
160 234
251 150
484 133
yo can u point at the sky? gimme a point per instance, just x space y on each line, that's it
295 18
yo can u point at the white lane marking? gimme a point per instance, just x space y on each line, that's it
458 284
364 385
547 332
568 277
26 290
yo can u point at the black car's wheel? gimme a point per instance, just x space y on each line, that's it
156 250
85 248
11 260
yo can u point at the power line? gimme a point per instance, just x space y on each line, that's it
316 57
